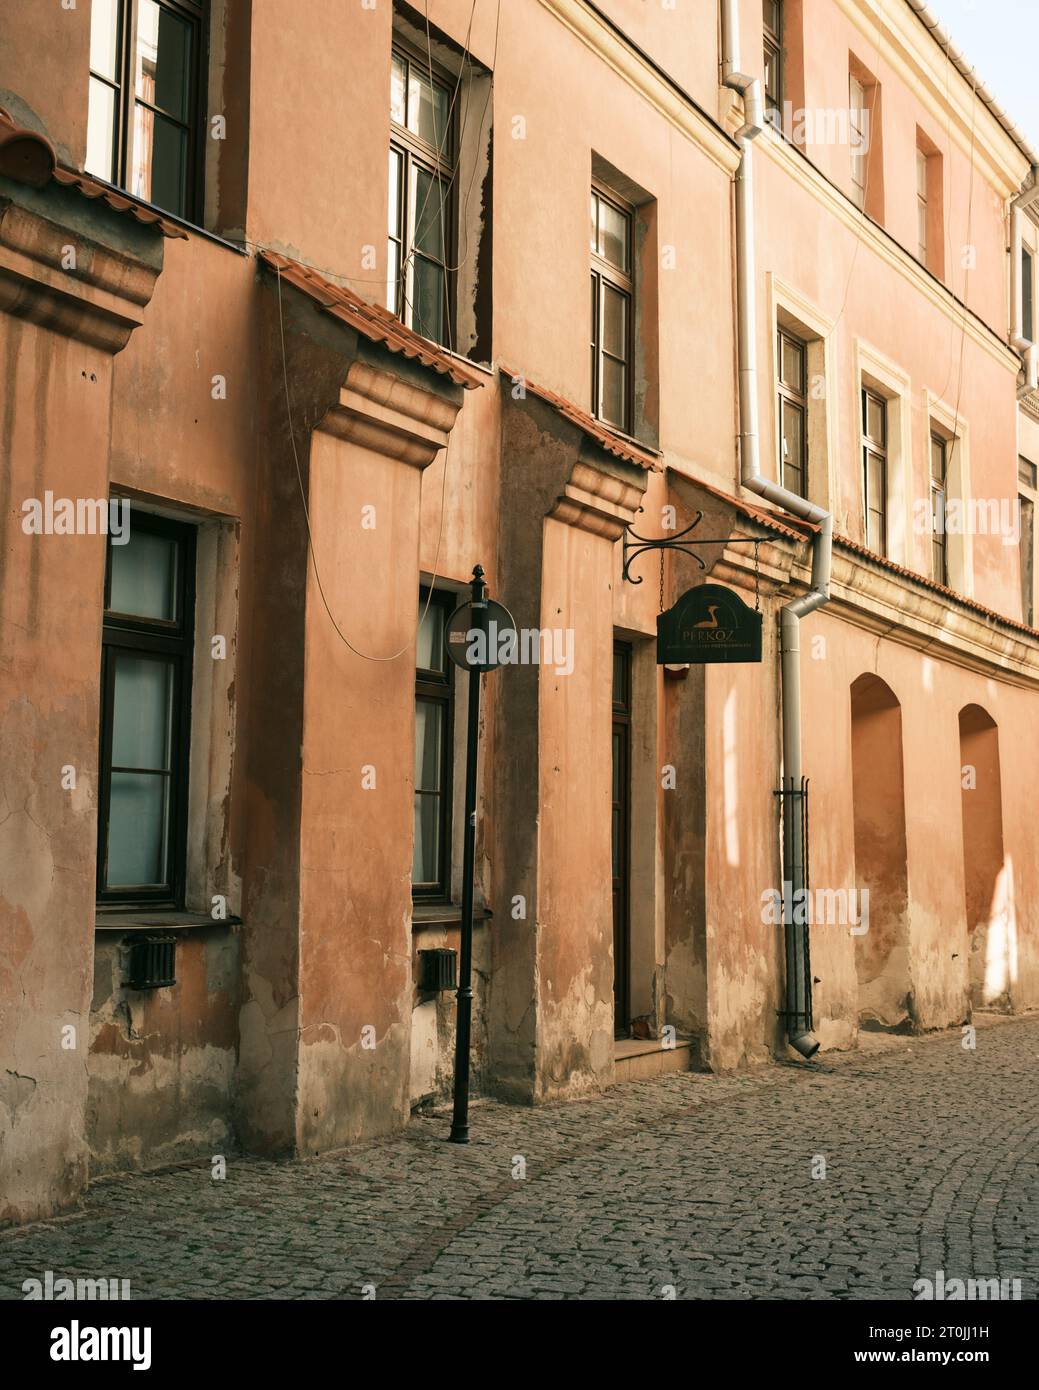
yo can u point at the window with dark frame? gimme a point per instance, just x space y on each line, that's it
434 763
1027 480
146 656
146 109
773 47
874 469
939 479
792 355
420 281
1027 295
612 309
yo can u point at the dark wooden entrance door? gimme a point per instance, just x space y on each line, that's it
621 835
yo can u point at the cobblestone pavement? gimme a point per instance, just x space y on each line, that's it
697 1183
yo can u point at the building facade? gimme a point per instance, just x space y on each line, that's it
306 311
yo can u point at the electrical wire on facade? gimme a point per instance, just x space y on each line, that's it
865 186
463 218
367 656
249 244
440 143
970 254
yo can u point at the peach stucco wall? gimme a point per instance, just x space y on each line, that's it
50 613
327 942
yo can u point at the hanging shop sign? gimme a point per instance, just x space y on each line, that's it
708 623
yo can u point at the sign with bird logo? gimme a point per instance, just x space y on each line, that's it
708 623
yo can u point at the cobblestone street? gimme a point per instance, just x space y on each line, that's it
700 1183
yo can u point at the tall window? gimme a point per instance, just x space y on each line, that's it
1026 476
1027 295
793 413
874 469
939 480
613 294
921 206
146 114
146 645
434 719
773 45
859 109
422 154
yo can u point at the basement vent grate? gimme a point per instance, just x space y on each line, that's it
153 961
438 970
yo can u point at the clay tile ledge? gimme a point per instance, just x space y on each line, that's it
27 157
374 322
615 444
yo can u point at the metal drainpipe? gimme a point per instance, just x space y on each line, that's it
1029 350
798 986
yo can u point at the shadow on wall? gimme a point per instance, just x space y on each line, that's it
987 871
878 801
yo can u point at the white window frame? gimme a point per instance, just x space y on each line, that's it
791 311
878 373
858 112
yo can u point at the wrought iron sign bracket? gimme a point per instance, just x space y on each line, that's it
636 545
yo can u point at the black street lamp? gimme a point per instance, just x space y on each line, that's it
472 633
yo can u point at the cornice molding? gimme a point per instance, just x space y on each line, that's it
650 84
889 606
804 172
893 29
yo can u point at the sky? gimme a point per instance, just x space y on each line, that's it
1000 38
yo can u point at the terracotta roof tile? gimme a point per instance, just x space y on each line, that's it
25 156
118 202
28 157
372 320
794 528
961 600
613 443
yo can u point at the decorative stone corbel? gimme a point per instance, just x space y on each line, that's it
600 502
57 277
378 410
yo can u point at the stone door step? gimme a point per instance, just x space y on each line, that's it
637 1060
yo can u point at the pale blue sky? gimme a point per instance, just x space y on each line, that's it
1000 38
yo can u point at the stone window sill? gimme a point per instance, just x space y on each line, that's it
157 919
445 915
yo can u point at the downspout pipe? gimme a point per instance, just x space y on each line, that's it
1029 350
798 1010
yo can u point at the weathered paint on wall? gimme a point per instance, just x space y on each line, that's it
111 387
162 1062
56 356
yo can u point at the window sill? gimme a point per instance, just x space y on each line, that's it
444 915
625 437
155 919
195 228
